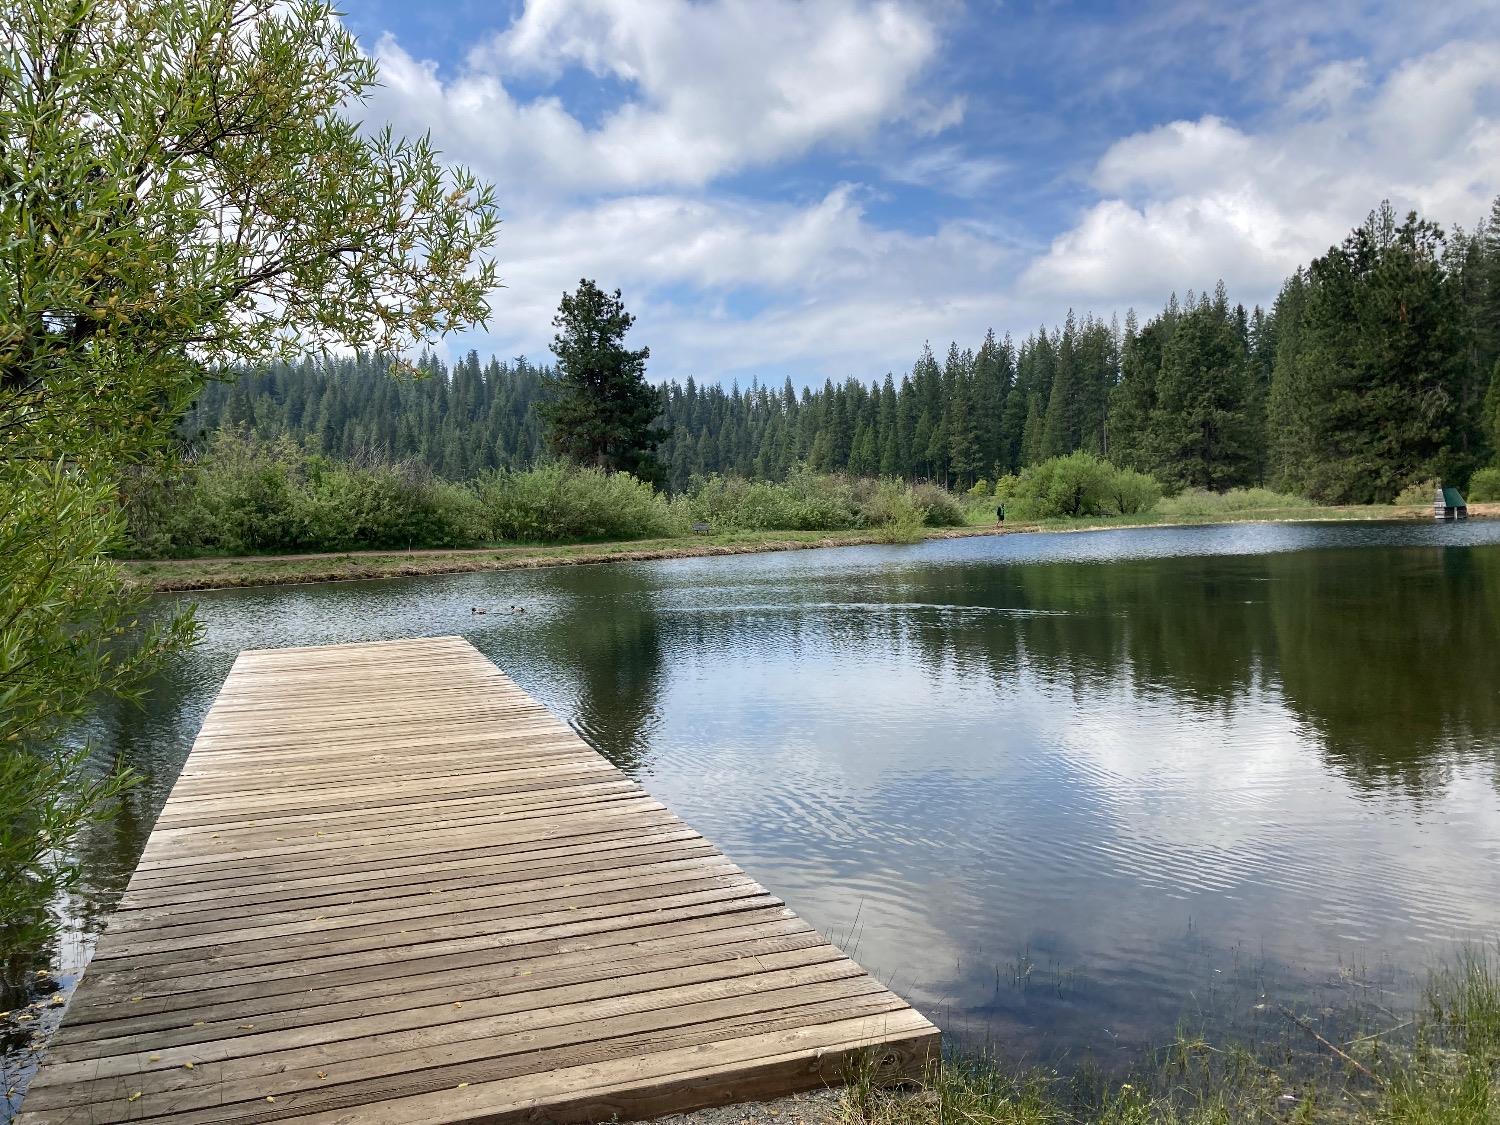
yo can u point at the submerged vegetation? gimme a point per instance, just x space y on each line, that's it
1436 1065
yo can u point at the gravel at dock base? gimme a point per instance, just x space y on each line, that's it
812 1107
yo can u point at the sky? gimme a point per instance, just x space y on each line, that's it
815 189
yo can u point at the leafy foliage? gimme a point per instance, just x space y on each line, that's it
1484 486
1418 492
558 503
182 187
808 501
241 495
1202 504
68 632
803 502
189 192
1079 484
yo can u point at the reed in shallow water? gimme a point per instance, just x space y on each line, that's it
1438 1064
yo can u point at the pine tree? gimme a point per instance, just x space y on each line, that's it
1489 290
602 411
1133 402
1378 370
963 439
1491 417
1242 397
1200 433
1260 351
1060 427
921 446
1031 439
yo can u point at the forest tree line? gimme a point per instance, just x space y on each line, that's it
1377 366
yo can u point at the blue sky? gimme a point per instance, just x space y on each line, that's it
815 189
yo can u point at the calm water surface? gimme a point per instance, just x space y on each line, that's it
1061 791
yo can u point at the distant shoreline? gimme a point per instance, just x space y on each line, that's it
186 575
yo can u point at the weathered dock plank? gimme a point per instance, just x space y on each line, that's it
391 887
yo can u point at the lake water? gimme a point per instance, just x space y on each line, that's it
1063 792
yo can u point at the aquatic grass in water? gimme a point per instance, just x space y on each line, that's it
1440 1065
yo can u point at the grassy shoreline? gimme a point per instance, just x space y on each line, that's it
211 573
1436 1062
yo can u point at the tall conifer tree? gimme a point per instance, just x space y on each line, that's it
602 411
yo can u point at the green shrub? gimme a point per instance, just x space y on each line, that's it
348 507
890 504
1418 492
1255 499
1006 487
1079 485
805 501
164 514
938 505
457 516
1199 504
557 503
808 501
239 495
1133 492
246 491
1484 486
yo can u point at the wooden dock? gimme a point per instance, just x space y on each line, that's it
391 887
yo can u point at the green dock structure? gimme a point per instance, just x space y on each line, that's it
1449 504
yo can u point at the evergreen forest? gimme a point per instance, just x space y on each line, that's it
1376 367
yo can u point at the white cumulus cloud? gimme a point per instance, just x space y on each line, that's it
711 88
1191 201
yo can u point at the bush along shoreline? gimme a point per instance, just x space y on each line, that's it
241 496
243 512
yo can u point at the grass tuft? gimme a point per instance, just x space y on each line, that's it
1438 1066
